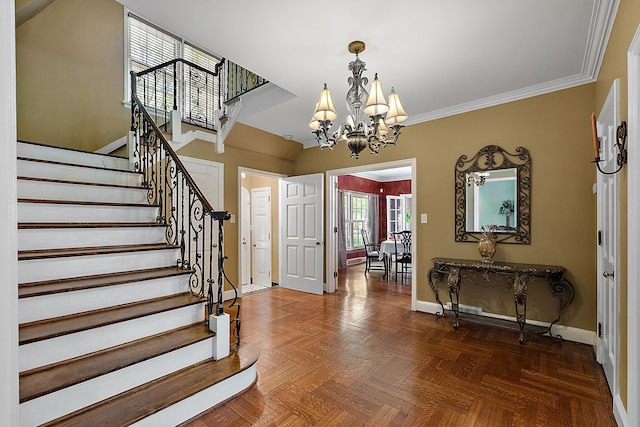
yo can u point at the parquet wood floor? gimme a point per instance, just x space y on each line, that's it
361 357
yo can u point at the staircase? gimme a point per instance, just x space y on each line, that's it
109 332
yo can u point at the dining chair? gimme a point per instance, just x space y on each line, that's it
402 255
374 259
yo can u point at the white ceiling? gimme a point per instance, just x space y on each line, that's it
442 57
386 175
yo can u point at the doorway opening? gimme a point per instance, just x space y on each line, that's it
396 171
258 214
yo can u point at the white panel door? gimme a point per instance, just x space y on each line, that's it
302 252
608 201
261 235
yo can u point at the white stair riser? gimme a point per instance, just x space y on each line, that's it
64 347
35 151
69 213
36 270
66 303
43 190
52 238
61 402
188 408
31 169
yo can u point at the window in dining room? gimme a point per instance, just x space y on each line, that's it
356 217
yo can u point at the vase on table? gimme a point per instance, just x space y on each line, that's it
487 249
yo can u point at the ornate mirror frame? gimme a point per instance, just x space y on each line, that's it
493 157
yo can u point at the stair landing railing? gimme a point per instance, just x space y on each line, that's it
200 95
192 222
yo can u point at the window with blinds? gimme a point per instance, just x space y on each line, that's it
196 92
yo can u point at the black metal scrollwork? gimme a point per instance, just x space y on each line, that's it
490 158
182 207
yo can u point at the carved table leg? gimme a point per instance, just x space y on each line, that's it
435 274
563 289
520 298
453 283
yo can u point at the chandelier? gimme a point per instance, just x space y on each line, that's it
375 125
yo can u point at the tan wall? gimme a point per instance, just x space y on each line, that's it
555 129
615 66
70 75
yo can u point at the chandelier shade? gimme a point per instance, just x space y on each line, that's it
374 125
396 113
324 108
376 104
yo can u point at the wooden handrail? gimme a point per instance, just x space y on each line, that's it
134 97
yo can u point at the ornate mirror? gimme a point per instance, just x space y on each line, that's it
493 191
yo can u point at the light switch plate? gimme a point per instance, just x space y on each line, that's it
423 218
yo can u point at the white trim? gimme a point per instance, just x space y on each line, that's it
8 219
331 255
633 233
357 260
568 333
113 146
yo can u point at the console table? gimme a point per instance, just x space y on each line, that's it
518 275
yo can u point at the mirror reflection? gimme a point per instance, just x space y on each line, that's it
491 197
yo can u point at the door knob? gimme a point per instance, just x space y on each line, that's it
607 274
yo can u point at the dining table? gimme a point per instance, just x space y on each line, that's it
387 250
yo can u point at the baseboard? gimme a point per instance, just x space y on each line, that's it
567 332
619 411
354 261
228 295
110 148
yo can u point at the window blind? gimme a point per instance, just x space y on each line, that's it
197 92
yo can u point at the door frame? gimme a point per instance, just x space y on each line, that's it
248 171
332 217
633 238
245 237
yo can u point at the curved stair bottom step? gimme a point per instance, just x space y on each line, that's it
175 398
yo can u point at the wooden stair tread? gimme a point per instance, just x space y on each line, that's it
47 379
140 402
56 162
51 328
45 287
63 225
64 181
98 250
86 203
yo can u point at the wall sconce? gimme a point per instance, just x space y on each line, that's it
621 145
